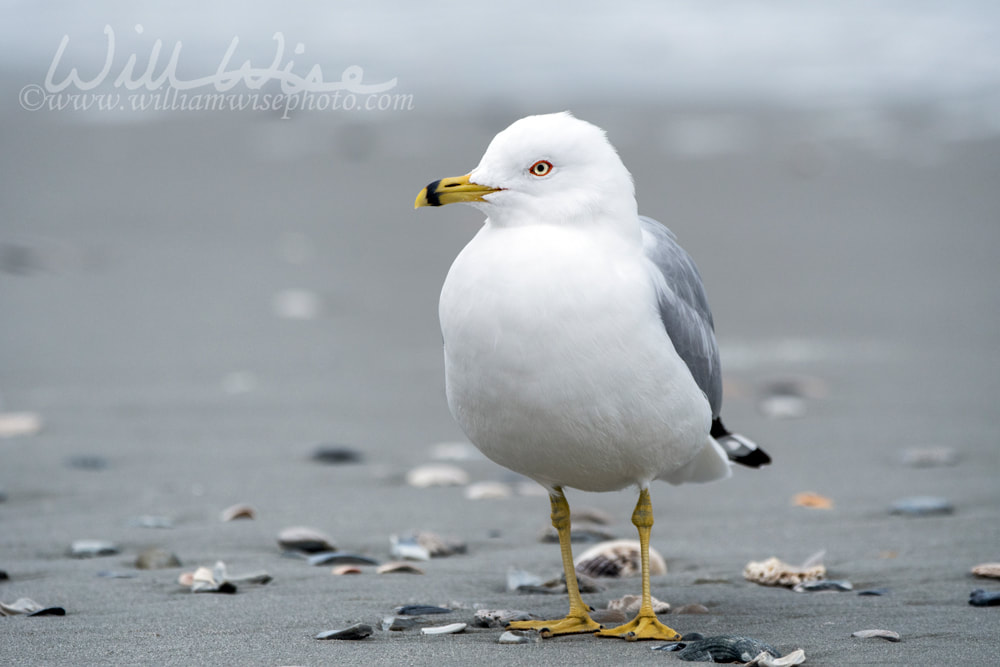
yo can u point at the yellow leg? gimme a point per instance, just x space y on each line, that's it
577 620
645 625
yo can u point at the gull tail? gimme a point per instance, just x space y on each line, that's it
739 448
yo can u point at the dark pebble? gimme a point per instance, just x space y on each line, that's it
420 610
87 462
922 506
336 455
725 648
4 576
49 611
356 631
874 591
982 598
398 623
337 558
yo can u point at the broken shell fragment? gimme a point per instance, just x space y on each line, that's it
518 579
812 501
305 539
338 558
990 570
156 559
500 618
519 637
450 629
13 424
408 548
882 634
823 585
981 598
397 623
211 580
488 491
398 567
346 569
92 548
725 648
437 474
922 506
618 558
238 511
775 572
356 631
420 610
28 607
629 605
930 457
765 659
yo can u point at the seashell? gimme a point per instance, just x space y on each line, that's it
420 610
765 659
336 455
922 506
186 579
823 585
981 598
436 474
812 501
29 607
930 457
609 617
204 580
882 634
151 521
297 304
518 579
500 618
455 451
618 558
774 572
519 637
450 629
408 548
692 609
432 544
338 558
991 570
13 424
725 648
346 569
874 591
488 491
398 567
629 605
87 462
397 623
305 539
238 511
356 631
92 548
156 559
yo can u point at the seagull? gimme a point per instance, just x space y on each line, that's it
579 348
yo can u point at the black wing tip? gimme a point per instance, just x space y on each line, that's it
755 459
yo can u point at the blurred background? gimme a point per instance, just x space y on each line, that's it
192 300
241 284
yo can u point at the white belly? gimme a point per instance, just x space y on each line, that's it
557 365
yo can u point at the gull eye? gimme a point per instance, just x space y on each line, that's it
541 168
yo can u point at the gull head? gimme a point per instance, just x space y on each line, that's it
548 169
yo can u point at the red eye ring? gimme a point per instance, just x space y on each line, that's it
540 168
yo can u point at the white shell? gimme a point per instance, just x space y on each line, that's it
488 491
437 474
449 629
19 423
775 572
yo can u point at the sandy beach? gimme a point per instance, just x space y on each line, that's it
191 305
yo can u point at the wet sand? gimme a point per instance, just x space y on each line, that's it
140 268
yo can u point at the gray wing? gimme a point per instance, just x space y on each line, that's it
684 309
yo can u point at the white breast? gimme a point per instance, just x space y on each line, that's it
557 365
